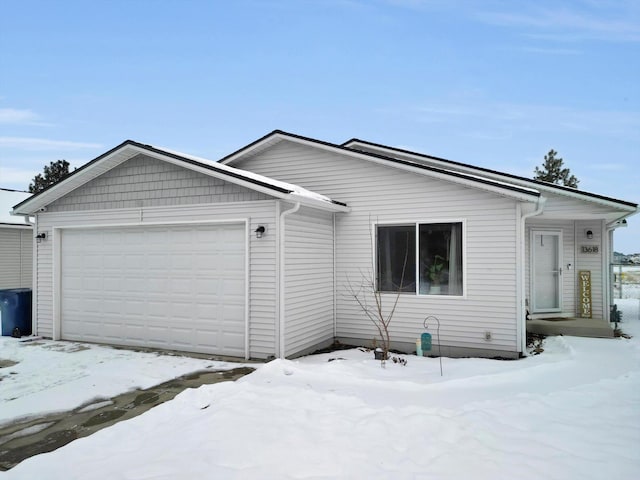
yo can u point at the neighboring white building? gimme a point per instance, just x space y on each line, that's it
16 243
254 256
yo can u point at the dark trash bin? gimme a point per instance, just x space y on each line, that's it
15 312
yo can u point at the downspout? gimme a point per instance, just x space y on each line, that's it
575 267
335 281
34 273
610 228
281 245
521 280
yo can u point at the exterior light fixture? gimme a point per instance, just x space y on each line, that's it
260 231
40 237
589 234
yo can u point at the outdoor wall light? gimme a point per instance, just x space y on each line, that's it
260 231
40 237
589 234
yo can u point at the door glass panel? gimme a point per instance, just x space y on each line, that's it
546 254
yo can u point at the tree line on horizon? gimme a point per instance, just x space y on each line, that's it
552 170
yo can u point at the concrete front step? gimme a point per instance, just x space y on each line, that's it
578 327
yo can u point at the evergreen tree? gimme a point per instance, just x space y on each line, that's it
53 173
552 171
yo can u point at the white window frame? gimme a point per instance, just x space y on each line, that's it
416 224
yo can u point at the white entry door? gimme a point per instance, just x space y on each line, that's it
176 287
546 261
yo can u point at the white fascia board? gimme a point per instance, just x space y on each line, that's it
311 200
472 181
609 216
88 173
254 148
496 176
588 198
476 182
19 226
128 151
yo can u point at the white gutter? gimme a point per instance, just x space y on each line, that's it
26 219
265 185
281 244
496 176
469 179
521 325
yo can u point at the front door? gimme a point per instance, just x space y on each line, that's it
546 275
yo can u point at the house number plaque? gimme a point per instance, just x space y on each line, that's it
584 277
590 249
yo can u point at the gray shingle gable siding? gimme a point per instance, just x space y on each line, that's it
144 181
75 179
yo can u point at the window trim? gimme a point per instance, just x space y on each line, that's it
416 224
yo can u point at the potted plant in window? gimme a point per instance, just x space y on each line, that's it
435 272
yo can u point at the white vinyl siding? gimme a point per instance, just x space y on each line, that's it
573 236
144 181
379 194
568 276
593 263
559 206
16 257
262 268
309 288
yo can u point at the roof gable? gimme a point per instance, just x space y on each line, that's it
376 148
129 149
145 181
464 178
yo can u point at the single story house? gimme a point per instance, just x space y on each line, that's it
259 254
16 243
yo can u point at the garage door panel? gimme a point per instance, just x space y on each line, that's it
74 282
232 286
167 287
134 261
157 261
133 308
180 286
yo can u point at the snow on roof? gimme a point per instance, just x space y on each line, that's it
290 187
9 198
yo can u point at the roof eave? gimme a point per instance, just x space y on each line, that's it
15 225
130 148
75 179
520 193
518 180
250 183
319 204
254 146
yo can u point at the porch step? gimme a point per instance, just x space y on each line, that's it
577 327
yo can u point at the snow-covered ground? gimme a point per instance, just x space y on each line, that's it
57 376
572 412
627 281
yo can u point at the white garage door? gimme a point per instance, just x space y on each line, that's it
172 287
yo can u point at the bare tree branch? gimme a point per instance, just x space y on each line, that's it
376 313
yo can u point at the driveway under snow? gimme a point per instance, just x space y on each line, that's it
53 376
572 412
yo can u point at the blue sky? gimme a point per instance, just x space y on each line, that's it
491 83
